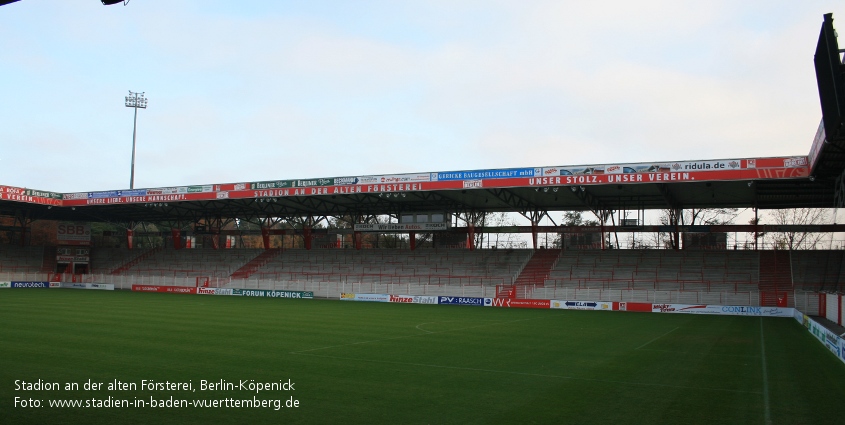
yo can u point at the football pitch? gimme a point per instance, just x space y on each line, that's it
98 357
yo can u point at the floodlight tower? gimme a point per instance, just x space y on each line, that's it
134 100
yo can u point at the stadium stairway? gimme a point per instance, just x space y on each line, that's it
48 264
775 275
256 263
538 268
129 264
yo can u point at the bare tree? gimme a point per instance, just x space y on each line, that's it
799 240
694 217
572 218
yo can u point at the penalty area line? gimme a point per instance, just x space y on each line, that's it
655 339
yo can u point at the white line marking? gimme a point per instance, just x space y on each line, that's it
655 339
426 323
405 336
699 353
451 321
472 369
767 413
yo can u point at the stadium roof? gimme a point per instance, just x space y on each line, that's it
782 182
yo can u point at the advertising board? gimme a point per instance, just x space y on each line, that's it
484 174
723 310
413 299
830 340
401 227
5 284
584 305
98 286
631 306
478 302
380 298
215 291
73 234
30 284
168 289
272 293
833 343
520 303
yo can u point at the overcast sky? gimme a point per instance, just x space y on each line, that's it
263 90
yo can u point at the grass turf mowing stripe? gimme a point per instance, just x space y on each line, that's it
767 411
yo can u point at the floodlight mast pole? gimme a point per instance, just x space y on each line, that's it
134 100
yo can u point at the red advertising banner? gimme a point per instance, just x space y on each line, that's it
170 289
626 306
724 170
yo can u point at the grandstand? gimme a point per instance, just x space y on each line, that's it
285 219
715 276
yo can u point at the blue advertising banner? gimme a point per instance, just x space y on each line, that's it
483 174
99 195
30 284
136 192
479 302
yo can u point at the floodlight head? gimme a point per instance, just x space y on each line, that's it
136 100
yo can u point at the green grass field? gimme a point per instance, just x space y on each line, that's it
389 363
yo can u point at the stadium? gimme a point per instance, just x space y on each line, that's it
387 298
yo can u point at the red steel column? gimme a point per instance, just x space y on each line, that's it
129 234
306 233
176 234
265 237
471 237
413 237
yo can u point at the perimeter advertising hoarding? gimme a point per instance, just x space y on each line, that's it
215 291
472 301
30 284
519 303
631 306
831 341
723 310
380 298
272 293
5 285
413 299
170 289
99 286
584 305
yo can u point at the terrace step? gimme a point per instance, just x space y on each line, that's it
775 276
49 262
538 268
132 262
256 263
